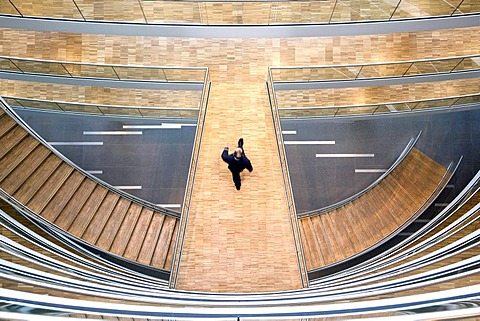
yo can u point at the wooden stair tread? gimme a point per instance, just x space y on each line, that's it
51 186
35 181
361 227
113 224
331 233
75 204
162 247
126 228
101 216
152 237
62 196
87 211
171 249
324 243
310 247
11 139
16 178
138 235
6 124
16 155
344 235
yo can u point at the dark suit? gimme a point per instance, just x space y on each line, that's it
236 165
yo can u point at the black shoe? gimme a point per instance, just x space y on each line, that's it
240 143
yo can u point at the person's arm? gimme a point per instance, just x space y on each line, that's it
225 154
248 164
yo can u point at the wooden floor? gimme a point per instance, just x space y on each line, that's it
239 241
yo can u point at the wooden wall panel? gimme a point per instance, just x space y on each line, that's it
373 95
101 95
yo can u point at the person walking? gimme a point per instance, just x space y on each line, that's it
237 162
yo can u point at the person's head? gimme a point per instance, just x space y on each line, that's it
238 153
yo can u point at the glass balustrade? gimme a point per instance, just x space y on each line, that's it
382 108
102 71
375 70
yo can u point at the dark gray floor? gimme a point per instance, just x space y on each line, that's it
319 182
157 160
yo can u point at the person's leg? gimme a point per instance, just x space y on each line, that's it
237 180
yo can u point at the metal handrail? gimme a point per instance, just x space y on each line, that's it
180 238
123 264
272 301
454 104
287 183
224 297
76 260
10 112
262 308
341 203
372 63
383 103
307 293
98 107
99 65
104 65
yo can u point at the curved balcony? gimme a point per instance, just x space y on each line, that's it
218 12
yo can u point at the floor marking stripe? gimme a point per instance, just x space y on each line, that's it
289 132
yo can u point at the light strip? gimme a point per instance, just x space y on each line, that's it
289 132
95 172
113 133
357 170
125 187
345 155
76 143
170 205
162 126
310 142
